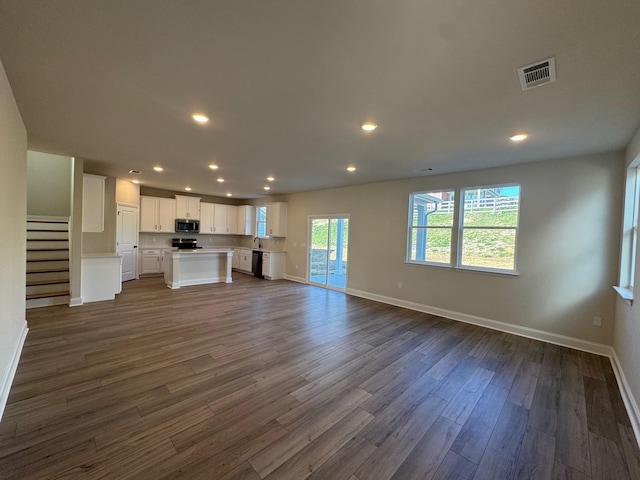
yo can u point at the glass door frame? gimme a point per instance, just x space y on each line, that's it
310 219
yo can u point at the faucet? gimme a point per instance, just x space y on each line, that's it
259 244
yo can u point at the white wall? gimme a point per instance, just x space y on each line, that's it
626 339
13 209
48 184
567 249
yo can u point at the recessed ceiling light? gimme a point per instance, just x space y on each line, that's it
135 181
213 166
518 137
200 118
270 179
369 126
135 172
229 194
351 169
220 180
158 169
267 187
188 189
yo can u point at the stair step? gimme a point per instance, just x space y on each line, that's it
47 255
48 276
47 302
35 283
33 296
47 235
40 266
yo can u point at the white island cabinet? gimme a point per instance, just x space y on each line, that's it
197 267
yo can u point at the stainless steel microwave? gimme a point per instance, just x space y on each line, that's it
186 225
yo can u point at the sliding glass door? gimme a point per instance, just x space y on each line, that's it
328 251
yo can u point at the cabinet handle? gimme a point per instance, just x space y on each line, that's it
160 228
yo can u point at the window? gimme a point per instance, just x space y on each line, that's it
489 227
261 221
479 233
431 226
629 233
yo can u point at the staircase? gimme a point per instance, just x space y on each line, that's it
47 261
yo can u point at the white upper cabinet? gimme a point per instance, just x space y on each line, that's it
157 214
232 219
93 203
206 218
277 219
187 207
246 220
219 218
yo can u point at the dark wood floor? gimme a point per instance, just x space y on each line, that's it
264 379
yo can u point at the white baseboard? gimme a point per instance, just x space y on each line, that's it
293 278
562 340
5 386
627 397
75 302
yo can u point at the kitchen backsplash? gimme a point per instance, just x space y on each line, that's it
163 240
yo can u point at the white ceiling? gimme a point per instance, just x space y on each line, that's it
287 83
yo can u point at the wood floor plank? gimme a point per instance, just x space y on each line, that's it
460 407
499 459
572 437
535 461
543 413
474 437
630 449
209 381
310 458
607 459
299 437
243 471
345 461
392 452
455 467
425 459
562 472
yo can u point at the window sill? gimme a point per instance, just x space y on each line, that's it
625 293
482 271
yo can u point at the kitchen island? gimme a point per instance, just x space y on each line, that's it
197 267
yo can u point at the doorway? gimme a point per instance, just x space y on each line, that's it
328 251
127 240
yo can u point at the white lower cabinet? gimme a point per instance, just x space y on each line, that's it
273 265
150 261
242 260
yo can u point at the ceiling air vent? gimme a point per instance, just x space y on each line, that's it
537 74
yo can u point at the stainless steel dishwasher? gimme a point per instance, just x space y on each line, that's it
256 264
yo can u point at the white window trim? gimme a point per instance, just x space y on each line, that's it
456 233
410 229
462 228
258 223
629 232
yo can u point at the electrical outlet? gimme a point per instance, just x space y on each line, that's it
597 321
399 284
295 244
296 266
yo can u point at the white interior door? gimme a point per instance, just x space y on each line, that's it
127 240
